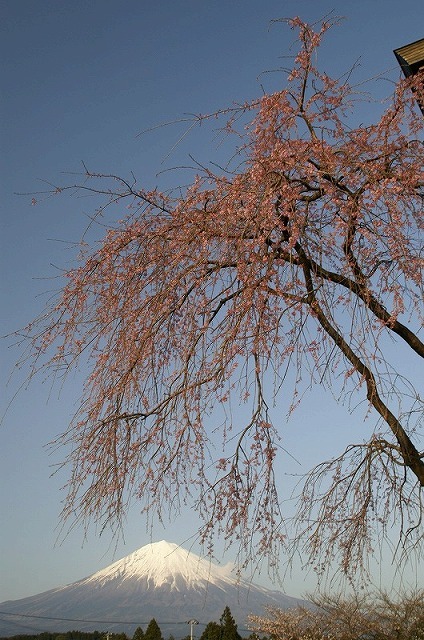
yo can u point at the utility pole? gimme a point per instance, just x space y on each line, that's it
192 622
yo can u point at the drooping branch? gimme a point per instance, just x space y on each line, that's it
360 285
373 305
410 454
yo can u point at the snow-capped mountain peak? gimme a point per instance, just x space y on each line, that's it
160 580
161 563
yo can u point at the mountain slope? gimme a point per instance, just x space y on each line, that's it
159 564
160 580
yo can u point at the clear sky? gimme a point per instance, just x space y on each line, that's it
79 80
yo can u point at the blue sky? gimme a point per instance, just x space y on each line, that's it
80 80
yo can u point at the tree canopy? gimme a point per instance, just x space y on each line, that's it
302 257
153 631
212 631
138 634
228 626
378 616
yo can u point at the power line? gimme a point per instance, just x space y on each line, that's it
137 623
28 615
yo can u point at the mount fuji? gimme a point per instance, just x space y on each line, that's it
161 580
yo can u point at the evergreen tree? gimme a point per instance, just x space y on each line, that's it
138 634
228 626
153 631
212 631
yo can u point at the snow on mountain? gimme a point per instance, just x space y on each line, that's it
161 580
162 563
